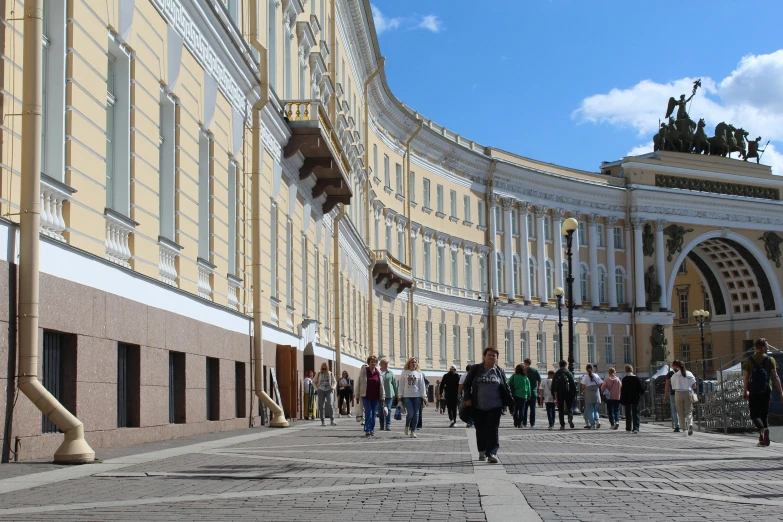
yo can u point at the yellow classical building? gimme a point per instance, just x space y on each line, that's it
230 194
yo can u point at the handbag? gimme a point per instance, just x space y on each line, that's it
694 398
465 412
398 413
608 392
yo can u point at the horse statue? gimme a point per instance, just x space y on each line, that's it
739 145
668 138
719 144
685 128
700 142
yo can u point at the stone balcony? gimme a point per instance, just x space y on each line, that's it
118 231
391 271
53 195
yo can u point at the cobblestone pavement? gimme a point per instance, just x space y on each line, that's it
309 472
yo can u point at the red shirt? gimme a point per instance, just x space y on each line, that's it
373 385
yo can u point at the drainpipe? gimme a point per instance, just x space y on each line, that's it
74 449
407 193
278 416
629 250
367 82
491 263
338 290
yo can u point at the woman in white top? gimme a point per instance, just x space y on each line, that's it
683 382
412 392
591 384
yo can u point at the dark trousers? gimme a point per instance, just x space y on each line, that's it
451 405
565 405
613 411
344 395
550 413
519 408
759 409
530 404
487 424
632 416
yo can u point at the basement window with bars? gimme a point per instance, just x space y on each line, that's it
177 388
59 373
213 389
128 385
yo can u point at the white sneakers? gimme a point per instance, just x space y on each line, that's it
406 430
413 435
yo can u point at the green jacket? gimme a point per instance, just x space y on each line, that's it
520 386
390 385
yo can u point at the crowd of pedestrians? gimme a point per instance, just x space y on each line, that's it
486 393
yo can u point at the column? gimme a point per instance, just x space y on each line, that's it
492 258
611 222
508 247
592 252
638 264
575 263
541 213
557 236
628 265
524 255
660 265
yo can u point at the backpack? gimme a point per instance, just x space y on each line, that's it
564 386
759 378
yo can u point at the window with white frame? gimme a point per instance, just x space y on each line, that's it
602 285
683 268
599 228
685 352
232 216
453 203
466 208
514 221
550 280
483 340
441 264
389 225
591 349
556 346
618 238
442 340
374 158
498 219
707 303
468 272
403 338
427 260
533 282
380 333
317 266
548 228
524 342
501 273
441 203
682 296
530 221
391 334
541 347
582 233
482 214
118 129
619 281
609 349
167 155
204 176
509 348
426 191
584 274
412 186
271 42
305 278
398 176
455 343
386 173
273 249
53 95
471 344
377 234
289 252
454 269
627 349
516 271
482 270
428 339
401 244
576 349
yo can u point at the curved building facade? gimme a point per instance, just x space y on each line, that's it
180 137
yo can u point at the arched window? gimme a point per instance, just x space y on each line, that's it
602 285
501 272
517 269
619 281
533 277
584 274
550 286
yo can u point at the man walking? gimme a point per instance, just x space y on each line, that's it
390 389
449 389
759 371
461 383
535 380
669 396
564 389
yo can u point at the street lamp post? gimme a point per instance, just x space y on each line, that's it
569 226
559 296
700 316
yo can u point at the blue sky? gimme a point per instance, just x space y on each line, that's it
577 82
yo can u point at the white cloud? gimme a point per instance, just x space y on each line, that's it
640 149
383 24
750 97
431 23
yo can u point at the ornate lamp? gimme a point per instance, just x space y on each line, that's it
700 316
569 226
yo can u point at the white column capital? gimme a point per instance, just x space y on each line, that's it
541 211
637 223
611 222
660 224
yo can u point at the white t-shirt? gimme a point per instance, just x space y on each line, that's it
462 378
546 387
595 381
680 383
412 384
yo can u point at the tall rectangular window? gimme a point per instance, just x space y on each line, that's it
683 302
53 84
627 349
403 338
455 343
240 398
204 192
547 228
524 342
232 217
111 110
213 389
685 352
509 348
531 225
167 165
599 228
454 269
317 259
576 348
514 221
118 129
128 385
59 373
483 340
398 169
412 186
401 244
466 208
441 265
556 347
471 344
442 341
453 201
289 262
428 339
427 261
305 278
482 214
582 233
498 219
380 333
441 203
469 272
591 356
273 250
389 237
618 238
391 334
541 347
177 410
426 191
482 270
386 173
609 349
375 160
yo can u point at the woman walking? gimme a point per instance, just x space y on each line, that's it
413 392
488 393
370 392
611 389
545 392
590 390
630 395
520 389
344 394
324 383
684 383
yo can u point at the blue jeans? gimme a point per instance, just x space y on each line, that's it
591 414
531 405
520 408
550 413
613 411
675 417
413 409
370 411
386 419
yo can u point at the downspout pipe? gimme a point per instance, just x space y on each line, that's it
278 419
407 193
74 449
491 265
337 291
